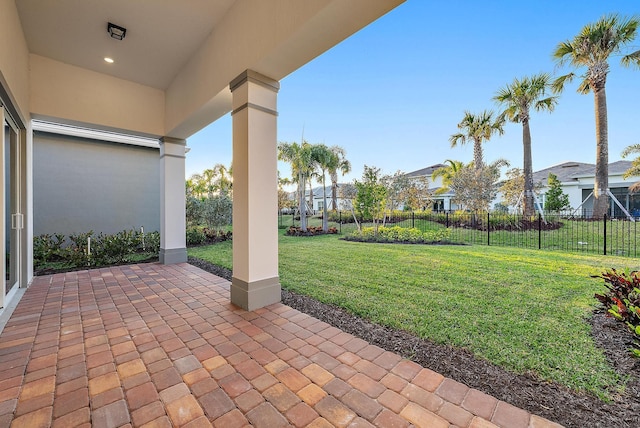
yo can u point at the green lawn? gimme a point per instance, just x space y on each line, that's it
524 310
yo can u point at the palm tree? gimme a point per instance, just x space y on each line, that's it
223 182
634 170
518 98
477 129
341 165
591 48
447 173
323 158
300 158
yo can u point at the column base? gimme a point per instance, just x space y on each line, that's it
255 295
173 255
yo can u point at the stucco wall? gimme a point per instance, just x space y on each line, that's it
81 185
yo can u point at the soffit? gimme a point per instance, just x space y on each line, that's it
161 34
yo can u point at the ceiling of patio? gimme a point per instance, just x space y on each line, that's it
156 45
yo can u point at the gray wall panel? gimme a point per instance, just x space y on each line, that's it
81 185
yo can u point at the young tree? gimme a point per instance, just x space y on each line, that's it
511 188
371 196
591 48
518 98
475 188
348 194
477 129
556 199
411 193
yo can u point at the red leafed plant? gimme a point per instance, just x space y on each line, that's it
622 301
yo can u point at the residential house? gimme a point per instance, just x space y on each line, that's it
442 200
578 180
160 70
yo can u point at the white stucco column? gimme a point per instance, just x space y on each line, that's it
255 281
173 241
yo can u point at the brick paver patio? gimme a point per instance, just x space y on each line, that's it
159 346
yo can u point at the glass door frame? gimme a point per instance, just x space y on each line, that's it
13 160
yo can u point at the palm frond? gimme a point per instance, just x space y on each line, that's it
456 139
558 83
634 148
632 59
584 87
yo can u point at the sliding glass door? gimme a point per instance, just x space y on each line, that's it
12 228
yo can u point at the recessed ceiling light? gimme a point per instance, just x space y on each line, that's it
109 60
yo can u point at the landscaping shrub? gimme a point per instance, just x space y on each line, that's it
622 301
54 252
48 248
311 231
195 236
400 235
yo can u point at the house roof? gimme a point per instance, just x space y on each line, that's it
571 171
425 171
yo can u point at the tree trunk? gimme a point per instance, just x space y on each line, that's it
334 195
311 196
303 204
477 154
601 202
528 208
325 217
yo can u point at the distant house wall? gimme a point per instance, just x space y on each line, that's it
81 184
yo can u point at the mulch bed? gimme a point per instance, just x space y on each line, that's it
552 401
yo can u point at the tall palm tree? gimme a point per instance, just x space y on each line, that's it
477 129
323 158
341 165
300 158
591 48
447 173
518 98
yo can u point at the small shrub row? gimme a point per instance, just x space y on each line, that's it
206 236
622 301
400 235
74 250
311 231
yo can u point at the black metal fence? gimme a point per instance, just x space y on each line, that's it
549 231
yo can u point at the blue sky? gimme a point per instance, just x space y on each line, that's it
393 93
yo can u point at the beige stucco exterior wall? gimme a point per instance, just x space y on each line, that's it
79 95
14 57
273 38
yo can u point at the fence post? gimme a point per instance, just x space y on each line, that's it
488 229
340 217
604 219
413 219
447 218
539 231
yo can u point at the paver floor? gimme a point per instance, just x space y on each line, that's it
159 346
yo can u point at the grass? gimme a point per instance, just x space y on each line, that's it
524 310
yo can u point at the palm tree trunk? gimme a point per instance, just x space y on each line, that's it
528 209
601 203
477 154
334 194
325 217
303 204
